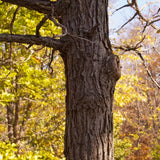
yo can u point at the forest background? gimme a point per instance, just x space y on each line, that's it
32 87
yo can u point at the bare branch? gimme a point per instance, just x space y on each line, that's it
128 21
133 4
149 3
13 19
51 17
158 11
31 39
138 44
11 30
142 17
51 60
63 27
130 4
134 48
130 47
37 5
151 24
52 9
148 71
156 20
127 5
41 24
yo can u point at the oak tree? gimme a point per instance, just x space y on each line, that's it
91 71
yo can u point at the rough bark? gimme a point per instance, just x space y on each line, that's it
91 73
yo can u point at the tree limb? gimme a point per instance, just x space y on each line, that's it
135 49
148 71
133 4
31 39
37 5
130 4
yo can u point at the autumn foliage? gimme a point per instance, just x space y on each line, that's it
32 94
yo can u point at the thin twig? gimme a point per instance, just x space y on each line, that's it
127 48
51 60
130 4
156 20
137 45
58 24
142 17
148 71
13 19
128 21
127 5
41 24
134 48
147 4
38 49
158 11
29 46
11 32
28 58
134 5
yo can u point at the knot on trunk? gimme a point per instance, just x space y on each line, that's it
112 67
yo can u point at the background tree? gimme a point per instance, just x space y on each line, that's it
139 52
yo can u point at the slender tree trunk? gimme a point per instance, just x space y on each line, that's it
16 114
10 121
13 107
91 73
10 106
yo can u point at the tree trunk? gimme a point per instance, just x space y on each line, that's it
10 121
91 74
16 114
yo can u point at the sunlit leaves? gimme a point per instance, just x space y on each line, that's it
8 151
26 78
137 99
41 96
127 92
122 146
25 21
